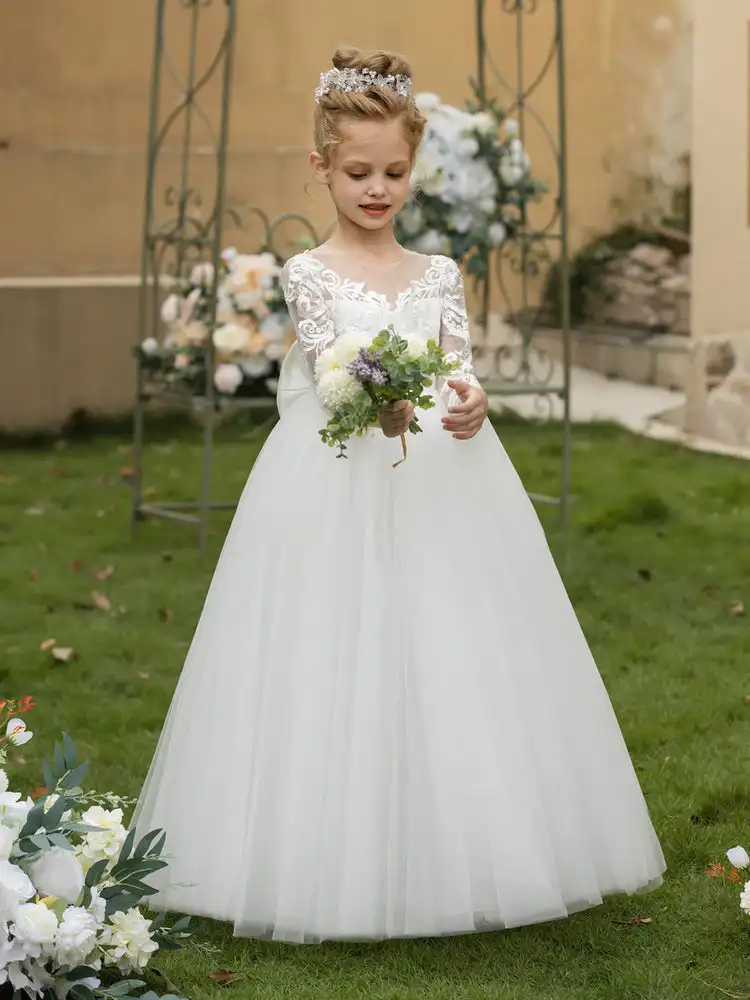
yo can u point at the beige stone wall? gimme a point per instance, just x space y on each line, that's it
74 84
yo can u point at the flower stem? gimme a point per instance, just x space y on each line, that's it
403 446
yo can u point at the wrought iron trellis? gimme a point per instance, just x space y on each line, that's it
540 248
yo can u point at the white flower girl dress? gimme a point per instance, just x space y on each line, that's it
389 723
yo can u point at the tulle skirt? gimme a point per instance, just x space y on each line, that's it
389 723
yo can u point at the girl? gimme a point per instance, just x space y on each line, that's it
389 723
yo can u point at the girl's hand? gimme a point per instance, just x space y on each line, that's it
396 417
465 420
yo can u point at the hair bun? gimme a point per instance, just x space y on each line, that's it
384 63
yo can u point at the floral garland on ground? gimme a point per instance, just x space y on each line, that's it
251 336
72 884
471 181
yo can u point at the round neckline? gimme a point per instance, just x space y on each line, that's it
367 292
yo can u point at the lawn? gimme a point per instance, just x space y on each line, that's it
657 564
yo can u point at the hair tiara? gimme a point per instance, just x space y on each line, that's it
360 80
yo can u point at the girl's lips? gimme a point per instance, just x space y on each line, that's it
375 209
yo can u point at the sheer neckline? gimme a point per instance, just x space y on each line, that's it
349 285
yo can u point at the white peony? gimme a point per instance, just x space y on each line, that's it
15 888
232 338
497 233
171 309
338 387
228 378
127 941
7 840
473 186
427 102
745 899
348 345
105 842
14 811
433 242
36 925
738 857
58 873
17 732
76 937
4 783
416 346
150 345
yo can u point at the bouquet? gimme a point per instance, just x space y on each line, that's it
357 377
72 882
471 181
251 336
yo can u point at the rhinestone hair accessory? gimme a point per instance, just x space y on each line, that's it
360 80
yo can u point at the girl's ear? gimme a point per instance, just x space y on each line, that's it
321 171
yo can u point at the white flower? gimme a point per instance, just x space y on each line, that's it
228 378
105 842
433 242
327 361
474 186
127 941
257 366
76 937
411 219
29 979
745 899
232 338
427 102
274 327
416 346
276 352
738 857
36 925
348 345
250 301
171 308
4 783
13 811
98 907
511 126
7 840
229 255
202 274
462 221
511 173
15 888
337 387
17 732
150 345
484 122
427 175
63 986
497 233
189 304
58 873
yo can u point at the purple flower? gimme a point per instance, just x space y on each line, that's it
368 369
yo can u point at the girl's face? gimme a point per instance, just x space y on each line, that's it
369 173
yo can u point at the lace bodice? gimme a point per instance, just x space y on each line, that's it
323 304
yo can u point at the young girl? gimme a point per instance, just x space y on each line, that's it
389 723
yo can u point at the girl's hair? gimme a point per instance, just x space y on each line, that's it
376 103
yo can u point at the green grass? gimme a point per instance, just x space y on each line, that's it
657 558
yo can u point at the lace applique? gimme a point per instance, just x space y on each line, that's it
454 323
309 304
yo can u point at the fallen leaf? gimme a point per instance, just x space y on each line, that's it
64 654
635 922
34 574
127 473
47 644
224 977
143 677
62 473
98 481
746 698
104 574
737 608
101 513
76 566
101 601
166 615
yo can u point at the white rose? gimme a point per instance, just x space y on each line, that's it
4 783
257 366
15 888
337 387
416 346
274 327
150 345
76 937
17 732
738 857
13 811
105 842
232 338
497 233
127 941
228 378
348 345
36 925
433 242
411 219
58 873
745 899
7 840
427 102
171 309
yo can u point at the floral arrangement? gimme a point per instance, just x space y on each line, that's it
358 376
471 180
72 883
251 336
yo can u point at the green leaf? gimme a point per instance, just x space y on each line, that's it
59 760
121 903
81 992
127 847
60 840
70 751
82 972
76 776
146 843
50 779
95 872
53 816
124 987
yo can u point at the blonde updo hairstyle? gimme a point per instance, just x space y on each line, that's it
376 103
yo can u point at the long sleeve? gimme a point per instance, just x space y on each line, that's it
309 307
454 324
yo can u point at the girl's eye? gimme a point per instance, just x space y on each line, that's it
396 177
358 177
